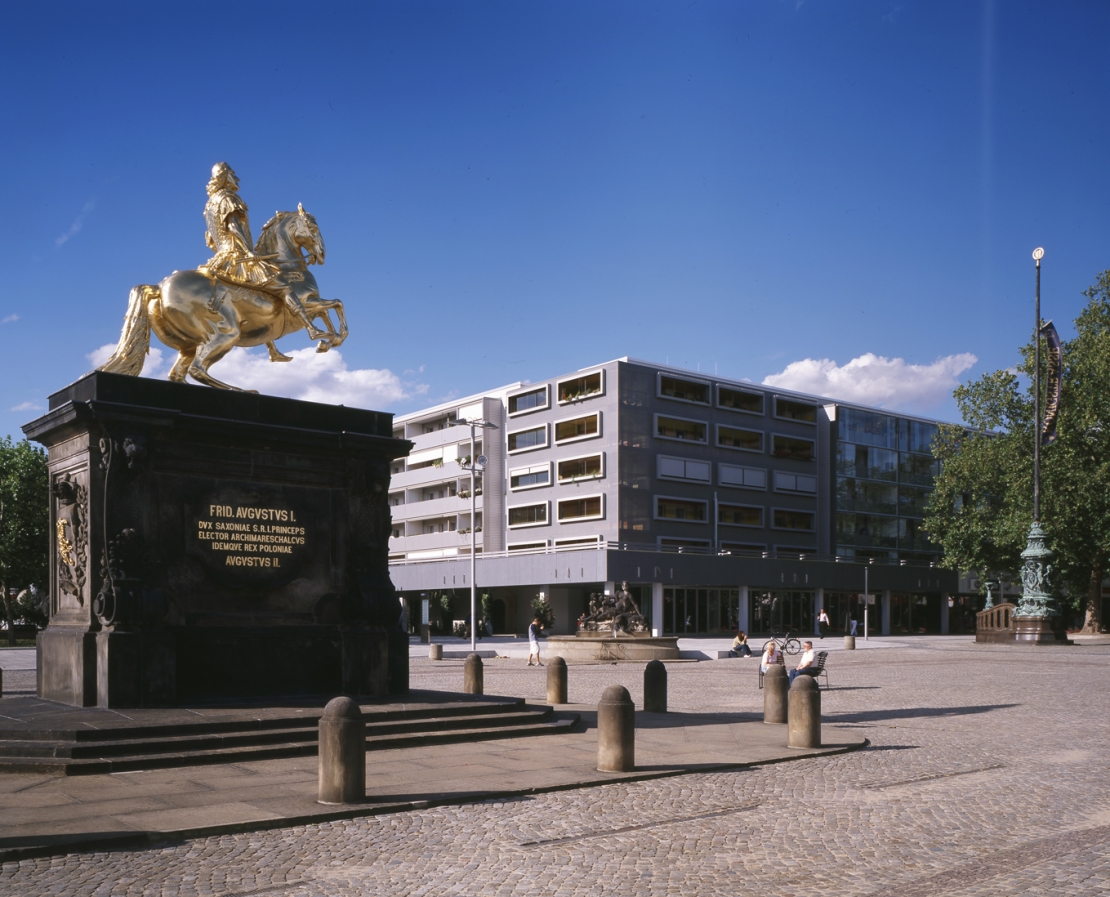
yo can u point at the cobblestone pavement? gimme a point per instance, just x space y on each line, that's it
987 775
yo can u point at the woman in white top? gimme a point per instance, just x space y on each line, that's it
770 656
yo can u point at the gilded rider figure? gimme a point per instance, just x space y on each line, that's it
235 261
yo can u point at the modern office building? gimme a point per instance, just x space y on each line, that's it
723 504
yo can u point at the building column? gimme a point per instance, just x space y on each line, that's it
944 613
886 612
818 603
657 608
743 611
610 588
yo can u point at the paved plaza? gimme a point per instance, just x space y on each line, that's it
985 774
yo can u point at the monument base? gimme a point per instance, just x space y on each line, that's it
214 546
590 647
1038 631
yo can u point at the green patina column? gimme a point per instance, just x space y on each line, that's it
1036 609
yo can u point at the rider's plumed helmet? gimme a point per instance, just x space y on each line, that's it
223 178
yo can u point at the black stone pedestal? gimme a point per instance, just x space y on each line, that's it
209 545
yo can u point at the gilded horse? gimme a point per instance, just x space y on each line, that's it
204 318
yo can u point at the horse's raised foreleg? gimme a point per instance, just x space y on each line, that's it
320 307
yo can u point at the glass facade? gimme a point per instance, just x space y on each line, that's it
781 612
700 610
884 475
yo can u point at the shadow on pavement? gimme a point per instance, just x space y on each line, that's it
914 712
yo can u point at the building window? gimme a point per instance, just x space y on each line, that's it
790 482
524 440
533 400
792 449
690 510
680 428
746 440
801 521
743 547
578 428
579 542
583 468
744 477
740 515
866 463
527 546
589 508
740 400
528 515
800 550
584 386
788 409
530 477
680 544
686 390
683 469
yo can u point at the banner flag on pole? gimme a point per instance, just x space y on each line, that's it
1054 383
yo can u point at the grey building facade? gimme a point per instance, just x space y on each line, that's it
724 504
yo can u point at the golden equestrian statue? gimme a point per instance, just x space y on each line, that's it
242 296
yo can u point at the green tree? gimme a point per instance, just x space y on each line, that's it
24 520
982 507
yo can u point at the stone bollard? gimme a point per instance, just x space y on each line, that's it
435 652
556 681
472 675
774 694
342 753
849 643
616 731
803 728
655 687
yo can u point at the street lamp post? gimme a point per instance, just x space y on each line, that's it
1032 617
473 466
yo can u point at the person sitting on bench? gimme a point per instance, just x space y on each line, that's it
740 646
807 666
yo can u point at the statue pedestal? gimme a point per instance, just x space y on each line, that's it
209 545
1038 631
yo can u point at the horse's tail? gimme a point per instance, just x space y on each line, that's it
134 341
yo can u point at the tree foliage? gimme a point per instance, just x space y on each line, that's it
982 507
24 521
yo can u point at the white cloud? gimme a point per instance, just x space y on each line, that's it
310 376
27 406
9 319
78 223
874 380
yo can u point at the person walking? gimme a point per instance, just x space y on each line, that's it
534 642
823 623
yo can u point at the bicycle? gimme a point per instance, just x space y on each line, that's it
786 645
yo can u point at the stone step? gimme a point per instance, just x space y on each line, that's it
138 754
120 747
249 723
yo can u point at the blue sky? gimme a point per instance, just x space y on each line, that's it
510 191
